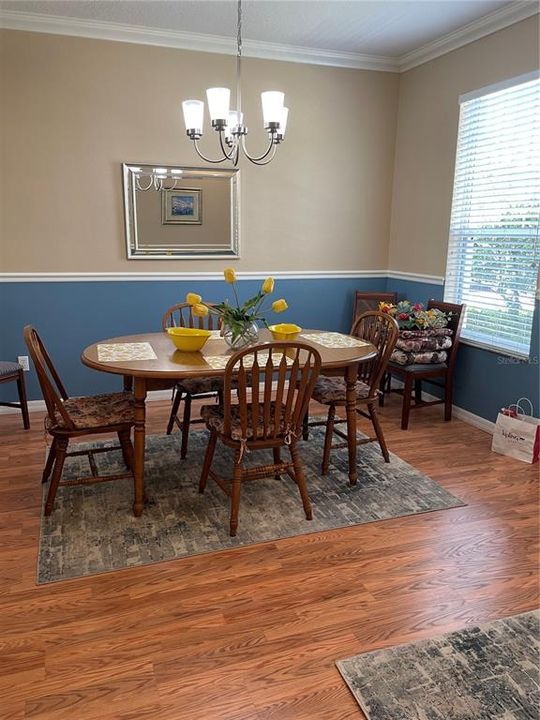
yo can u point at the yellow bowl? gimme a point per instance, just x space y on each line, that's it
285 331
188 339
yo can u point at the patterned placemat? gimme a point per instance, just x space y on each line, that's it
334 340
119 352
219 362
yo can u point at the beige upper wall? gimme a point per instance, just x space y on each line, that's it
426 139
74 109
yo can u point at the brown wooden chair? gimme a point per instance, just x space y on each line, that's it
271 418
366 301
381 330
74 417
181 315
441 374
10 372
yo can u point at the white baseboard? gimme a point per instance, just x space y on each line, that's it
155 395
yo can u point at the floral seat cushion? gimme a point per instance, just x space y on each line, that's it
333 391
215 420
97 411
201 386
428 357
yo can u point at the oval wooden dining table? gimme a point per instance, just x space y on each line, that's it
170 365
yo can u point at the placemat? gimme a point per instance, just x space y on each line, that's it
119 352
334 340
219 362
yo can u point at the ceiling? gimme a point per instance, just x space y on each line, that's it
391 29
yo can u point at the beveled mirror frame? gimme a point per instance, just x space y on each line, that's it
138 250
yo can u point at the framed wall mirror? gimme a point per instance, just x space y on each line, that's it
172 211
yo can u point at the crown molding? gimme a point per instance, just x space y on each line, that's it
486 25
33 22
97 29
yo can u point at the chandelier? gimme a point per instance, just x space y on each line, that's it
229 123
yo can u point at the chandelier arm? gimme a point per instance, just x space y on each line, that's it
228 155
140 187
206 159
257 160
172 187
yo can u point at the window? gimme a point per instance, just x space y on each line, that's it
494 246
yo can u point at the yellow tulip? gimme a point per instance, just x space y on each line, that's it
229 275
193 298
200 310
279 306
268 286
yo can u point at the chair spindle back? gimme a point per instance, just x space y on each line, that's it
381 330
51 386
283 372
366 301
181 315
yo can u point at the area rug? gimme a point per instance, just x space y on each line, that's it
92 528
490 672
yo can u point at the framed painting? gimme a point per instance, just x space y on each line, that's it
181 207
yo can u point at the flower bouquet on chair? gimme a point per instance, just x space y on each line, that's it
239 321
424 337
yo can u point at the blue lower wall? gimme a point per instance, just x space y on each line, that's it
485 381
72 315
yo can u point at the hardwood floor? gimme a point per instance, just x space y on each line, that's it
253 633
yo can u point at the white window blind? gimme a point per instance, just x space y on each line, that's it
494 246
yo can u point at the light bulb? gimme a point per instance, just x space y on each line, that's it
193 116
272 107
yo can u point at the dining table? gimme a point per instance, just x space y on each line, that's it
150 362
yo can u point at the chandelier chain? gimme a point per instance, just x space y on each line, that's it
239 59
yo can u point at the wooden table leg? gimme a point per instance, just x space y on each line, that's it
138 442
351 377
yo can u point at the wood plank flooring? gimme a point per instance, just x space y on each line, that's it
253 633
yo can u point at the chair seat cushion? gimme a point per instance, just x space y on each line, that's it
9 368
333 391
418 368
214 419
201 386
98 411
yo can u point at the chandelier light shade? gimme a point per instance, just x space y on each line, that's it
229 123
272 106
193 116
219 101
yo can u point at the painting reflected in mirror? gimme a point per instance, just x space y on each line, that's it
172 211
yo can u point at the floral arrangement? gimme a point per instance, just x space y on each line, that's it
411 316
238 319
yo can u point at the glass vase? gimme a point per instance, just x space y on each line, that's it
240 334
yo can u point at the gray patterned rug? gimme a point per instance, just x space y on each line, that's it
92 529
490 672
